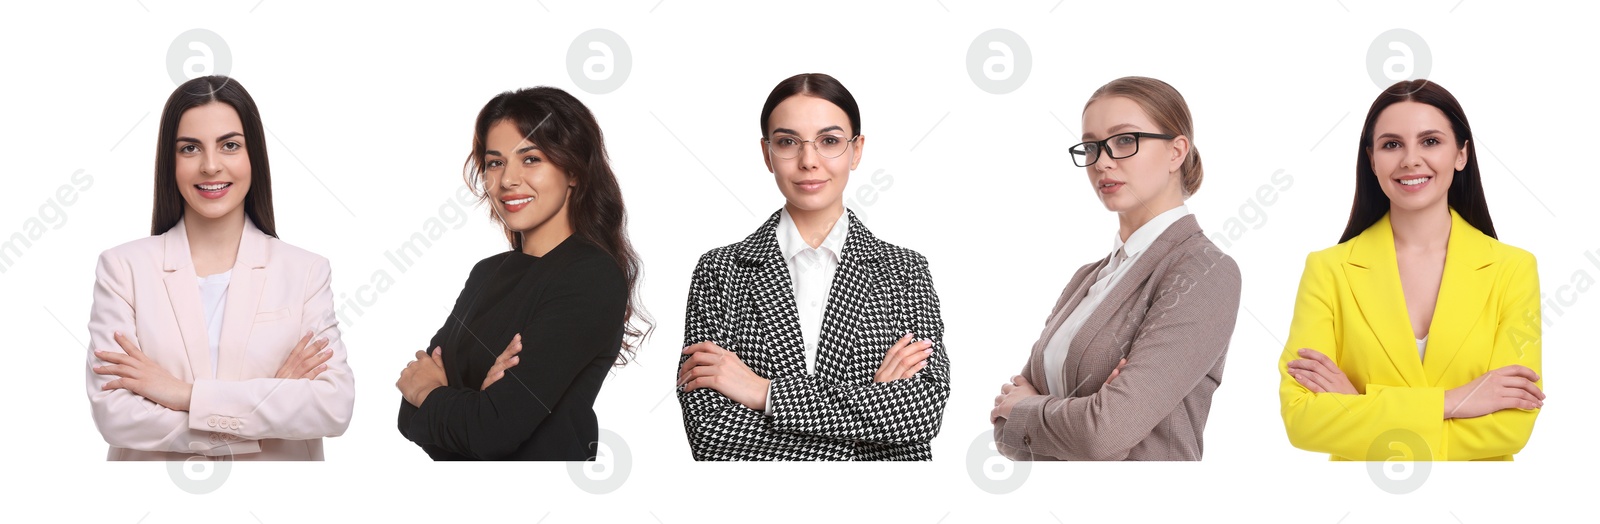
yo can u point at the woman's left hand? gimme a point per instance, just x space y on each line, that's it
710 366
421 376
141 376
1010 394
1319 374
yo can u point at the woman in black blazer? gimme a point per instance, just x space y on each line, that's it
561 297
812 339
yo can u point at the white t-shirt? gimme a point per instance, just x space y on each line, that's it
213 294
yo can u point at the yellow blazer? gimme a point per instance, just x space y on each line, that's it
1350 307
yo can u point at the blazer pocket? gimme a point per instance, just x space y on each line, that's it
269 316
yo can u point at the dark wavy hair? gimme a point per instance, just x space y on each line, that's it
1466 186
168 208
569 136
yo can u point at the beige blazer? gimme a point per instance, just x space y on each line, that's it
148 289
1171 316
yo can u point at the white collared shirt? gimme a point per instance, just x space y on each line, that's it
1055 351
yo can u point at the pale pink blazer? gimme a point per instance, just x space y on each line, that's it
148 290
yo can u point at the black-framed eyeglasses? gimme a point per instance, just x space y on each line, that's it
829 146
1119 146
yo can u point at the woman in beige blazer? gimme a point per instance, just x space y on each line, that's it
1133 350
212 337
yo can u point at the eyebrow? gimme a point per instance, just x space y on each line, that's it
785 130
219 139
1420 134
1109 132
496 152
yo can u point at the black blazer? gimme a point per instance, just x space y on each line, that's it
742 298
569 307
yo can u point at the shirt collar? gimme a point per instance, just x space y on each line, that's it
790 243
1146 234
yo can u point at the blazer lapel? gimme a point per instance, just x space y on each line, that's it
183 292
855 283
244 294
1375 280
1115 299
1463 293
1077 289
765 281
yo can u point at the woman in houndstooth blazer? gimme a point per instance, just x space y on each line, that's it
811 339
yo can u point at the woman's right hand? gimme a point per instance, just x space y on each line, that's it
1117 371
904 359
506 359
1510 387
307 360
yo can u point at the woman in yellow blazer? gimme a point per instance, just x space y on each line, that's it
1420 328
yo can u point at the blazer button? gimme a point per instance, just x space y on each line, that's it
1027 440
211 421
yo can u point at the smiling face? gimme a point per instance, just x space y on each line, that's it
1142 185
811 182
528 192
1414 155
212 167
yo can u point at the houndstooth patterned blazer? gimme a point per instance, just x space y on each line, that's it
742 299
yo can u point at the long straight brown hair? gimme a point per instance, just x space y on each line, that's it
168 208
1466 187
567 133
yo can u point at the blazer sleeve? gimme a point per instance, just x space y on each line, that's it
1000 446
125 419
457 315
1027 366
1517 342
717 427
295 409
1185 333
900 411
579 321
1335 423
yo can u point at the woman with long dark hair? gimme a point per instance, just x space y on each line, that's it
1420 328
812 339
562 297
212 336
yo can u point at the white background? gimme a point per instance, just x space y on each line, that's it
370 111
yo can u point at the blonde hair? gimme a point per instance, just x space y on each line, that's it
1166 107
